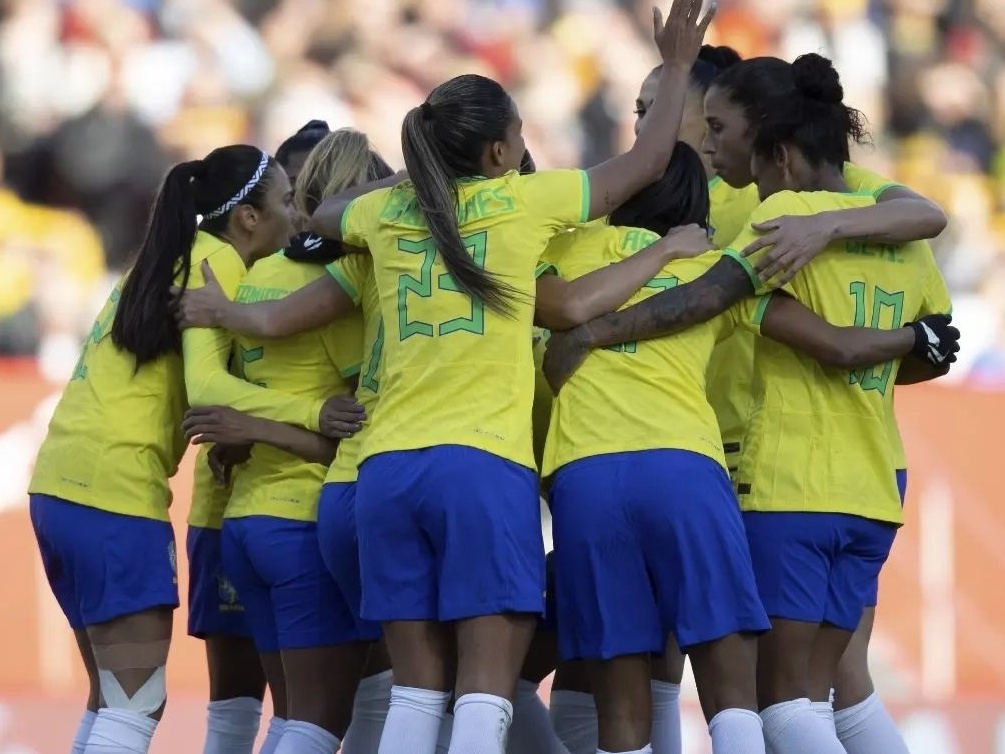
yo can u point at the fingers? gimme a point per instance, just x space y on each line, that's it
766 226
707 20
658 20
757 244
694 11
338 430
207 272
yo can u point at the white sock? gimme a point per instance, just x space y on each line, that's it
306 738
531 731
446 729
413 721
736 731
232 725
793 728
647 749
867 727
369 711
273 736
83 731
119 731
574 718
481 724
825 711
666 718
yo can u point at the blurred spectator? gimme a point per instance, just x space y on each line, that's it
98 97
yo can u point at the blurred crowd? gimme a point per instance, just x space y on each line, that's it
99 97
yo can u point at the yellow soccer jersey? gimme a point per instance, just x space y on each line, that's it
819 439
730 368
645 395
541 414
312 365
209 499
354 272
455 372
115 438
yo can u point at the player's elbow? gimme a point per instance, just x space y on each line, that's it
933 221
199 388
561 313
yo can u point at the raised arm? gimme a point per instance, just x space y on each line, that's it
563 304
314 305
679 40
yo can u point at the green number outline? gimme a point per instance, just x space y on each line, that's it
477 244
660 284
101 327
876 377
370 381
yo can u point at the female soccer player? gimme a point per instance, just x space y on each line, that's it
216 613
804 487
99 494
572 708
270 548
292 153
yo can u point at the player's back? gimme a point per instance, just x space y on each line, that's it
637 396
115 437
454 370
819 438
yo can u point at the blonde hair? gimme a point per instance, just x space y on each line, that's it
341 160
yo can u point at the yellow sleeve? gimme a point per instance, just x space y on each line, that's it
344 344
350 272
776 205
358 217
559 198
936 296
865 181
206 352
560 245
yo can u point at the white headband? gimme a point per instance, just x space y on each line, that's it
236 198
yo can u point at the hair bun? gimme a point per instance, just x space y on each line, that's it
315 125
816 78
722 57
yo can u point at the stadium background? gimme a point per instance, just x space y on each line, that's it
98 97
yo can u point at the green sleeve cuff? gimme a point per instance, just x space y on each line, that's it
352 371
545 268
746 265
760 309
344 220
343 281
884 188
586 196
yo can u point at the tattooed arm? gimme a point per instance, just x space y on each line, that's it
665 313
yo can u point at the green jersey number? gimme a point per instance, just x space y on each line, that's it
423 286
102 326
660 284
370 381
247 356
887 311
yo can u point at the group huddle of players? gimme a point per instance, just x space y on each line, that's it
690 350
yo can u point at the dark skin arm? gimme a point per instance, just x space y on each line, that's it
224 425
913 370
665 313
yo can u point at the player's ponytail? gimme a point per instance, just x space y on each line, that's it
443 140
144 324
680 197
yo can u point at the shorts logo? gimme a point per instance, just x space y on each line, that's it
173 560
229 600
